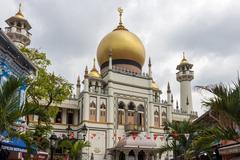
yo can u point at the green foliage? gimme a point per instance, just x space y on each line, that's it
45 92
73 147
10 109
178 142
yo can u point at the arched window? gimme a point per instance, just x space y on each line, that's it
92 113
131 113
140 117
156 119
103 113
164 117
121 113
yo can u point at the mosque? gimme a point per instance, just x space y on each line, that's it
120 105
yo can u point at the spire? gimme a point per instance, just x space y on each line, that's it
177 104
184 60
19 13
149 62
94 64
172 98
86 72
187 102
120 24
78 81
149 68
168 88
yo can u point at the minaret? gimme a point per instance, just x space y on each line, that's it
18 29
78 87
185 75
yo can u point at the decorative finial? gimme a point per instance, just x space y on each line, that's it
187 102
120 25
172 98
78 81
149 62
168 88
184 55
94 63
177 104
20 7
86 71
120 11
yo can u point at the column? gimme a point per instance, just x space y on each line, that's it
98 108
86 101
75 117
64 116
136 154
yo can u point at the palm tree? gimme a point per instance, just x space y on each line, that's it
226 103
179 144
73 147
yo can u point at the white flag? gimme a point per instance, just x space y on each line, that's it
187 135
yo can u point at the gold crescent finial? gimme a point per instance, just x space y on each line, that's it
120 25
120 11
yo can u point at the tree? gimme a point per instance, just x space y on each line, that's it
225 103
46 92
73 147
179 144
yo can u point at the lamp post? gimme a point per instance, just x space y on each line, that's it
166 130
69 129
53 139
84 133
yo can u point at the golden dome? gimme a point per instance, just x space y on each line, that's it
19 13
123 44
94 72
154 85
184 60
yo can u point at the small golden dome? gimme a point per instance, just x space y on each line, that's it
19 13
123 44
184 60
155 85
94 72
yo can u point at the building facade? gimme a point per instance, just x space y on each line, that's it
121 105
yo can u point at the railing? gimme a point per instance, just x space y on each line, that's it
18 30
129 72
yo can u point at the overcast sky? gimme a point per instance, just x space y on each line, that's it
208 31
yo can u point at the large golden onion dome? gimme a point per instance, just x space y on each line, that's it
125 47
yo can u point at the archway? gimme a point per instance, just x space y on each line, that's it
141 155
122 156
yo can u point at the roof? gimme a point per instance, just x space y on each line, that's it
7 47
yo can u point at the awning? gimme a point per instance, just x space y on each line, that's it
15 144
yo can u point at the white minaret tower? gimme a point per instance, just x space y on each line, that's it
18 29
185 75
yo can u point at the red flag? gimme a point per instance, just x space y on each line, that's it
148 136
134 135
161 138
155 136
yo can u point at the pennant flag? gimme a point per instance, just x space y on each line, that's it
187 135
148 136
155 135
134 135
161 138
